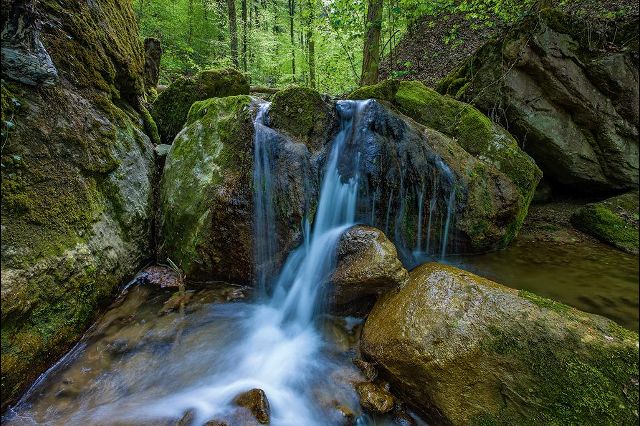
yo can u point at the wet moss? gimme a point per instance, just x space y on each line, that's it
613 221
385 91
544 302
172 105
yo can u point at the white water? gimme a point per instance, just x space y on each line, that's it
280 353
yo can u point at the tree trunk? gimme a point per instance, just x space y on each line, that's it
311 47
244 35
371 52
293 52
233 31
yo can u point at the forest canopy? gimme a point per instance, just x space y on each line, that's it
318 43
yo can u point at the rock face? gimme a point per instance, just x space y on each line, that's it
466 350
471 129
568 90
367 266
77 172
425 191
172 106
613 221
152 56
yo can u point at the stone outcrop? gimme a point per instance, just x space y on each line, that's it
567 89
77 171
465 350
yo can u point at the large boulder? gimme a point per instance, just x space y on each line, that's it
613 221
367 266
567 89
172 105
77 173
471 129
207 192
465 350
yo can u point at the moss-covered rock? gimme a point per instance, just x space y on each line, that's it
613 221
207 193
470 128
567 89
172 105
465 351
77 171
303 114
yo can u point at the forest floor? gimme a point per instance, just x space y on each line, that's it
435 45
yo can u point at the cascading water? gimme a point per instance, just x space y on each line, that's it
281 350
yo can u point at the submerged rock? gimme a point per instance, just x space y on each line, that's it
172 106
367 266
567 88
465 350
77 175
374 398
256 402
613 221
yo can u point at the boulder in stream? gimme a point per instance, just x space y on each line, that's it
374 398
367 266
613 221
465 350
257 403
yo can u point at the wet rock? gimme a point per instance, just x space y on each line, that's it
257 403
613 221
374 398
152 56
567 89
344 415
367 368
172 105
367 266
177 301
402 418
187 419
161 276
464 349
76 178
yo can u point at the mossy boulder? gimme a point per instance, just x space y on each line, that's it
172 105
207 192
469 127
467 351
613 221
367 266
567 89
77 173
302 114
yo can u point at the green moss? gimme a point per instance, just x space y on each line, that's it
301 113
385 90
565 379
544 302
150 127
213 146
612 221
172 106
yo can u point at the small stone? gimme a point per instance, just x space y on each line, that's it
367 368
255 400
161 276
374 398
187 418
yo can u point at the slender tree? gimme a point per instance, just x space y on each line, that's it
244 35
233 31
371 52
311 46
293 51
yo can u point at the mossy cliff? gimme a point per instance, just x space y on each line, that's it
76 176
171 107
467 351
470 129
567 88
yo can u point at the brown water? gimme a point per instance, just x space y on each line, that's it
592 277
